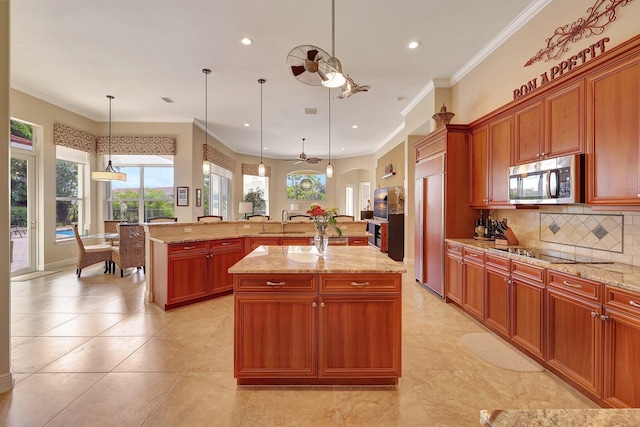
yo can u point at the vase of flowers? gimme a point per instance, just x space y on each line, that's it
322 219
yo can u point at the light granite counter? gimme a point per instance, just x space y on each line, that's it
305 259
622 276
560 417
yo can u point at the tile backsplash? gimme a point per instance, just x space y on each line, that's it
611 235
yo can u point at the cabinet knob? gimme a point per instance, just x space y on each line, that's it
538 155
313 304
603 317
543 154
594 314
639 195
322 304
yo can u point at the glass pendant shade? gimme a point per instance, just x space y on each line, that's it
109 174
335 77
262 169
206 167
329 170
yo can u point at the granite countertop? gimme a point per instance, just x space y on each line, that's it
235 235
616 274
560 417
305 259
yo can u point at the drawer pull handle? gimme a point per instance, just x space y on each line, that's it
571 285
635 304
226 243
473 255
359 285
187 248
270 283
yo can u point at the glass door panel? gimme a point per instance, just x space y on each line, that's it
22 234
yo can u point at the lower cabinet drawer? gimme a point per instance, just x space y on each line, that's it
527 271
332 283
587 289
358 241
624 300
275 282
185 248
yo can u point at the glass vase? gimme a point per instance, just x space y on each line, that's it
321 240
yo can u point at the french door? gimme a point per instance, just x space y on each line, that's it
23 220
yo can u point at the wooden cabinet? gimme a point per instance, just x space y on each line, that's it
388 235
497 294
621 348
527 307
318 328
187 272
254 242
454 273
296 241
473 283
358 241
529 142
490 158
222 255
574 330
613 134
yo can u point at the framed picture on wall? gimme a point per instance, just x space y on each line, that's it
182 196
198 197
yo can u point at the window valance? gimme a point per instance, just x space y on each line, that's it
69 137
217 157
251 169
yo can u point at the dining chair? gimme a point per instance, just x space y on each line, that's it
110 228
209 218
163 219
344 218
131 251
92 254
258 217
300 217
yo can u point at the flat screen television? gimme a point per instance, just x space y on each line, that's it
380 203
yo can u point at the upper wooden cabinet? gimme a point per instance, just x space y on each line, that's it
490 158
529 144
613 134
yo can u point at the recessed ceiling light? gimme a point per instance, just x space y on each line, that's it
354 127
266 148
342 149
414 44
246 125
246 41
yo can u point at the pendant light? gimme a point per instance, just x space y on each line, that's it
262 169
329 166
109 174
335 76
206 164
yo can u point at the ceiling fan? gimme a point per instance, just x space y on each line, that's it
307 64
302 158
350 88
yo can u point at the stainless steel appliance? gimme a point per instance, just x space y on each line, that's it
551 181
553 257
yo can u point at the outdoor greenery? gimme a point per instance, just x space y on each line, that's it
316 191
22 130
18 192
126 202
66 187
256 197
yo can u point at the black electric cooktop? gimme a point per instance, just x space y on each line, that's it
553 257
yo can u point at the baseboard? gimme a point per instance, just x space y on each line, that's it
60 264
6 382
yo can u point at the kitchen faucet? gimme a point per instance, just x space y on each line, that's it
285 217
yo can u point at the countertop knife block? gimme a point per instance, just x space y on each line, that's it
509 238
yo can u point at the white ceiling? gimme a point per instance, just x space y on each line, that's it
74 52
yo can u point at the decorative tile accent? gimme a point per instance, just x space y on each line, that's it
602 232
69 137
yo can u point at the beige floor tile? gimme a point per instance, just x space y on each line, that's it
139 325
118 399
38 398
83 304
37 304
18 340
161 354
100 354
38 352
203 399
123 304
36 324
215 356
85 325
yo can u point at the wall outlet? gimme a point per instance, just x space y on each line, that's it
246 226
188 229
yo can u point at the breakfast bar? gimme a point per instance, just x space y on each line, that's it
305 319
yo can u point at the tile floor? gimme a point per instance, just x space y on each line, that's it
91 352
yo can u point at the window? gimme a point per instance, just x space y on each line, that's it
349 200
306 185
255 189
217 192
22 135
148 191
70 194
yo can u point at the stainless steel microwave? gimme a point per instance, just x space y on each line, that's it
551 181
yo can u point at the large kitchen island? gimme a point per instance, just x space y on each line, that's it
302 319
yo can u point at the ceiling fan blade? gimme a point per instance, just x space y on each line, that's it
297 69
311 54
313 160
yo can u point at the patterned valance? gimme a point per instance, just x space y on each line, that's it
69 137
140 145
217 157
251 169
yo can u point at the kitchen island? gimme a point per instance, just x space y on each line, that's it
302 319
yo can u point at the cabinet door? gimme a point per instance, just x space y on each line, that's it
527 315
479 176
297 241
574 339
621 350
275 336
454 278
529 133
473 289
433 229
384 237
613 135
358 241
187 277
219 278
418 234
497 301
565 117
499 151
360 336
267 241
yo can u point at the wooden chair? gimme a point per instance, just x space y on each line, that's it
209 218
163 219
258 217
92 254
300 217
344 218
131 251
110 227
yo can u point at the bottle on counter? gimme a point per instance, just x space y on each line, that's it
480 228
488 228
